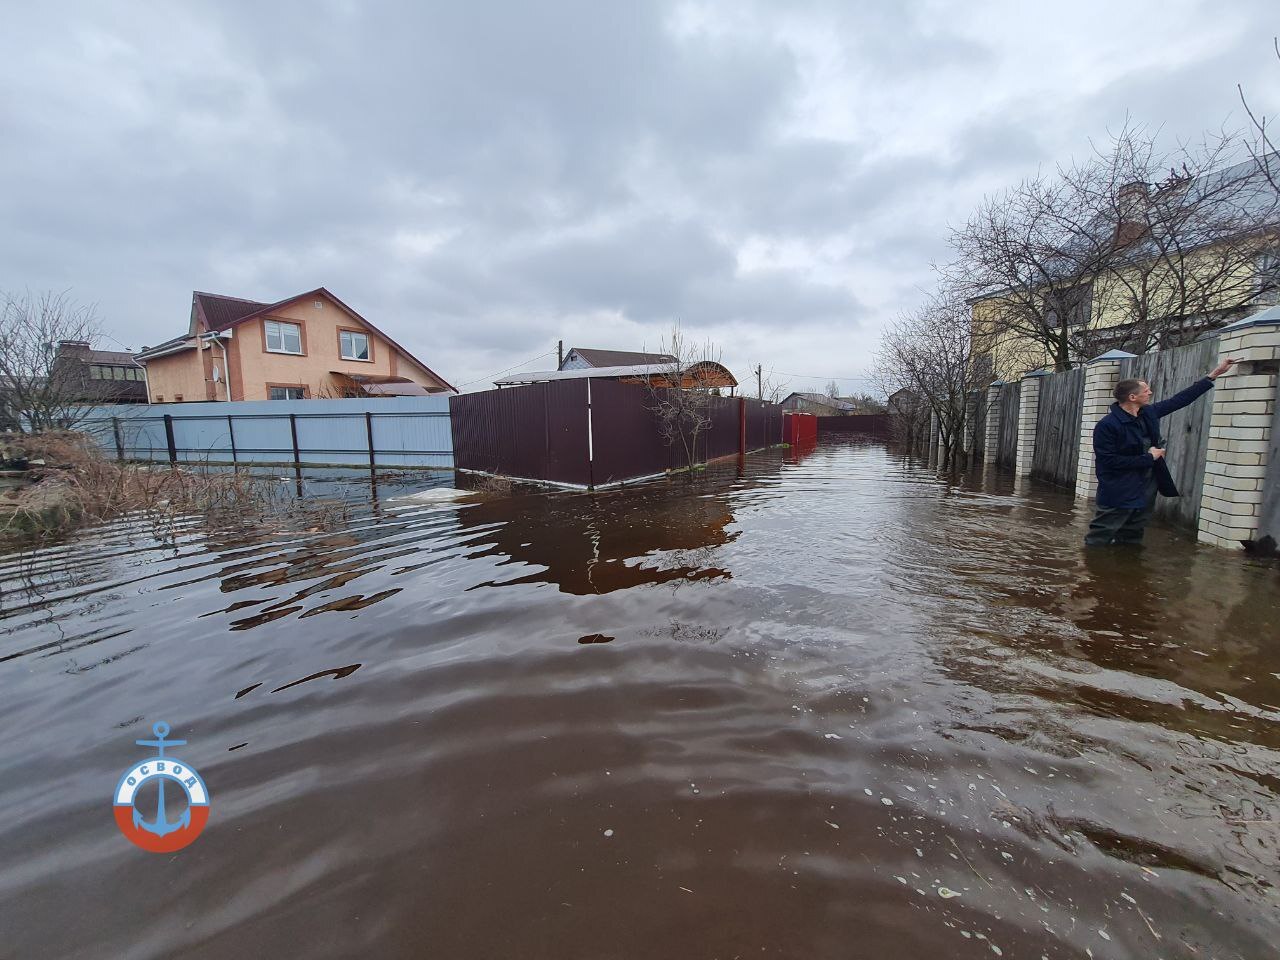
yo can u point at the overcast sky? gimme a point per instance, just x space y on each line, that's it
482 179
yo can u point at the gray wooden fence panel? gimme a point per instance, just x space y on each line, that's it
978 428
1007 446
1187 430
1058 427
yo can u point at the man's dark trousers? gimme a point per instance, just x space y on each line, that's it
1118 525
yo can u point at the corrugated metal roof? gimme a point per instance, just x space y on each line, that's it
602 373
619 358
824 400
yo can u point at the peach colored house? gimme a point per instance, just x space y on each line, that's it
309 345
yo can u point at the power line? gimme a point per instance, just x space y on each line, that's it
490 376
819 376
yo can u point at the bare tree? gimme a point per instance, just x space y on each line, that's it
833 390
930 353
36 391
1263 149
680 394
1130 248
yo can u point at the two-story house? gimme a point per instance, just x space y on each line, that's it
308 345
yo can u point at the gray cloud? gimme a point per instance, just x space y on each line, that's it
486 178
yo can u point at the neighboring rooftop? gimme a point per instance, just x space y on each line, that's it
705 373
611 358
821 398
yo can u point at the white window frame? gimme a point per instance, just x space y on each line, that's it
302 391
368 345
279 326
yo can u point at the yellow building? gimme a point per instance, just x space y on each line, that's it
308 345
1167 280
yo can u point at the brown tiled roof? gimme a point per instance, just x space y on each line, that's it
220 312
620 358
231 310
115 357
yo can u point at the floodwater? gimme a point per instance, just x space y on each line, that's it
825 708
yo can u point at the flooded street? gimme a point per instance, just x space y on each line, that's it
826 708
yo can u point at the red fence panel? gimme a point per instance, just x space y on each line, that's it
800 429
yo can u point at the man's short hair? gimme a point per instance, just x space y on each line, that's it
1126 387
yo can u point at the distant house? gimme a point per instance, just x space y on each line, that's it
903 402
819 404
308 345
98 376
580 357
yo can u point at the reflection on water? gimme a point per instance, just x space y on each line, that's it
813 705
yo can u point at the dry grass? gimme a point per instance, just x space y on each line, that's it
77 486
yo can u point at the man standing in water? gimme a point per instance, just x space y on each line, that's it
1129 458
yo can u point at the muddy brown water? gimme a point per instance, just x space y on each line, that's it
826 708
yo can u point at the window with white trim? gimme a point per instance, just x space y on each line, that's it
283 337
354 346
287 393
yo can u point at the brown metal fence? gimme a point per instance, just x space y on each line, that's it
1187 430
592 433
1057 450
876 424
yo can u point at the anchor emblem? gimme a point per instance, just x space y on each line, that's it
161 826
160 834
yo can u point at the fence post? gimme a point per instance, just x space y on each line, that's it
368 429
168 436
1241 468
1101 374
995 403
115 428
1028 419
742 426
231 435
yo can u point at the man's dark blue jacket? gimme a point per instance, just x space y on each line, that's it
1120 445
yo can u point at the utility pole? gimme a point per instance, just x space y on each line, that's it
559 354
759 380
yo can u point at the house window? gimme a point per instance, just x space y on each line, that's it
287 393
283 337
354 346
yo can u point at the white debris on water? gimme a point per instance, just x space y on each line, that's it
886 801
434 495
946 893
608 833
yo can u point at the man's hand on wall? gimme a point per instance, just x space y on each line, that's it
1222 368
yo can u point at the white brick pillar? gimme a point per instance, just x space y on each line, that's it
995 400
1101 374
1244 404
1028 412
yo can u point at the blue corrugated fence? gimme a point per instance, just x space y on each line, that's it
400 432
